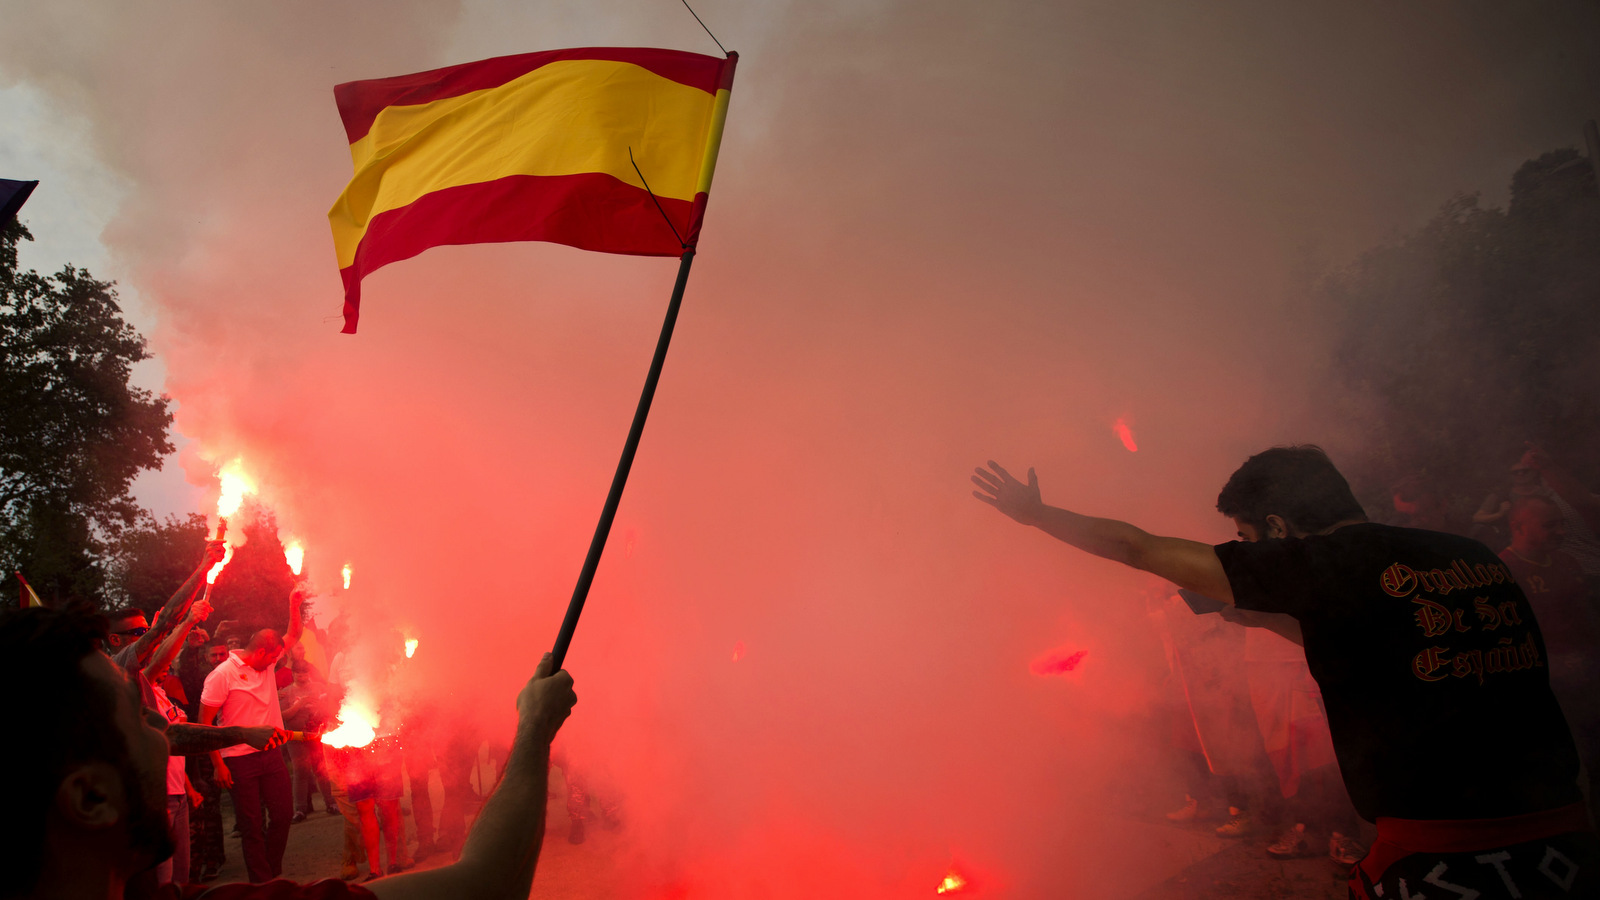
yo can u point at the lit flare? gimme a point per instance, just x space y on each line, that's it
1125 434
235 485
952 883
346 573
411 647
227 554
295 556
357 726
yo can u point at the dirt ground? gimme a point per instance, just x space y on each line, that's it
1205 866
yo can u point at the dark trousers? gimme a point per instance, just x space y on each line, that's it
261 782
457 760
418 762
205 824
305 757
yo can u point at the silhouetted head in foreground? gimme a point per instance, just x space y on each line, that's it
85 790
1288 492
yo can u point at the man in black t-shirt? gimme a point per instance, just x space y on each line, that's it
1429 659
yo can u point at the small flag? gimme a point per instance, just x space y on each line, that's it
29 598
12 195
534 147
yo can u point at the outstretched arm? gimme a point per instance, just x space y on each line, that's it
498 860
1186 563
189 739
297 620
178 604
168 651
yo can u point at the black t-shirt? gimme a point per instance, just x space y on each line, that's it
1431 667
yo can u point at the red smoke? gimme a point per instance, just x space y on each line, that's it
1057 662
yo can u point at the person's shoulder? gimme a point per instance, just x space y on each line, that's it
1377 534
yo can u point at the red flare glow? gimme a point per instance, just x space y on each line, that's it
227 554
1125 434
1057 662
738 651
952 883
357 726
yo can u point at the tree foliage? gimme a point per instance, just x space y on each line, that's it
1478 333
153 558
253 591
73 432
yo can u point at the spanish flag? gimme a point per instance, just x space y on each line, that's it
29 598
533 147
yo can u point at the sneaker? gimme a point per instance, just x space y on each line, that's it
297 818
1188 812
1292 845
1240 824
349 873
1344 850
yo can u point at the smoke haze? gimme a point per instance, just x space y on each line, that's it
940 233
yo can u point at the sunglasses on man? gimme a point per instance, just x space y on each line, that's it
132 632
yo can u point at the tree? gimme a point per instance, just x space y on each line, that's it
153 558
73 431
1476 334
253 590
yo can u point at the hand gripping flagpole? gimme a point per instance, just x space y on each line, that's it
602 530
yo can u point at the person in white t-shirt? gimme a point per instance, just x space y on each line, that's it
243 690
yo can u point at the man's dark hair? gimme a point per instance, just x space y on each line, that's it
123 612
1298 483
66 718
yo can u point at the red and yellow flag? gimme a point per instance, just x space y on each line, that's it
533 147
29 598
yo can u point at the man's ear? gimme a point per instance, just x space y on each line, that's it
1277 527
89 796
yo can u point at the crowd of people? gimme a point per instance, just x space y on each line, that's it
241 712
125 787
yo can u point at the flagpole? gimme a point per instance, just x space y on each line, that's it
597 545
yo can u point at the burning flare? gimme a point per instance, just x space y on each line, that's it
227 554
295 556
357 725
1125 434
346 573
411 647
952 883
235 485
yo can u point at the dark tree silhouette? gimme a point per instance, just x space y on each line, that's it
1476 334
73 431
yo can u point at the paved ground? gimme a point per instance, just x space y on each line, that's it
1205 867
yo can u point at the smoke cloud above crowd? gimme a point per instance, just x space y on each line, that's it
1067 236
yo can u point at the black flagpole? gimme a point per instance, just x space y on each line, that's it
620 479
